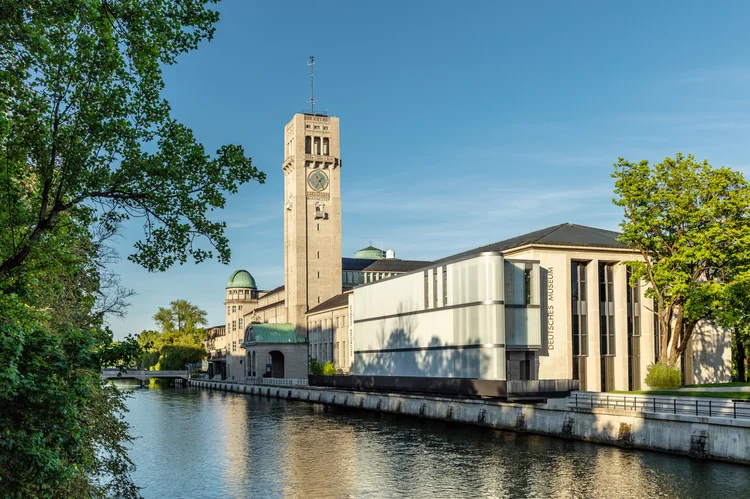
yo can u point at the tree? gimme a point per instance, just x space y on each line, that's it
182 314
691 224
86 143
85 130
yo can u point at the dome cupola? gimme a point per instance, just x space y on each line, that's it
241 279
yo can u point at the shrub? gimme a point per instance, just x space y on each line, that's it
315 366
663 376
176 357
329 369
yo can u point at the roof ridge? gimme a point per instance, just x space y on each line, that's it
552 230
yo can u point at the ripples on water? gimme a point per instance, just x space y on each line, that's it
203 444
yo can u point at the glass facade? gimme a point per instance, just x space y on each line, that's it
579 306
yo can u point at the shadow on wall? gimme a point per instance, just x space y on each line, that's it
404 356
712 362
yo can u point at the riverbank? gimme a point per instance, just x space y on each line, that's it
704 437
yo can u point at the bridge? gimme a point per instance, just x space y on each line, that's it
143 375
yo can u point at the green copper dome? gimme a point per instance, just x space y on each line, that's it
371 253
241 279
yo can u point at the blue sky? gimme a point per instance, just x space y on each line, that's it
462 123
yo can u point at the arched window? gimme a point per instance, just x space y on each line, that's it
308 145
325 147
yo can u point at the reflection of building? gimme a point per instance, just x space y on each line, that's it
552 304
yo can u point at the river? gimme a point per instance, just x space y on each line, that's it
204 444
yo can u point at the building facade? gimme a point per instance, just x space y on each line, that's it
312 300
552 304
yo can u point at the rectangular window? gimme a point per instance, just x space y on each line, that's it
319 274
579 305
234 308
527 284
445 286
318 226
606 309
318 254
234 325
634 308
239 308
434 288
239 322
426 290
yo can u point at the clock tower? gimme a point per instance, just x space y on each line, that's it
312 214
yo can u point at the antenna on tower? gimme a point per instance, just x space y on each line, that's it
312 100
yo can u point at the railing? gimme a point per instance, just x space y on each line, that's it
141 372
713 408
261 381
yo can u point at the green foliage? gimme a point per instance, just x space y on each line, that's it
149 360
87 142
184 319
663 376
691 224
85 130
175 357
315 367
61 432
329 369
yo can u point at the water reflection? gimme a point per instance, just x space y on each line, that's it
197 443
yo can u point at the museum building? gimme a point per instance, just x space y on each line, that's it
550 304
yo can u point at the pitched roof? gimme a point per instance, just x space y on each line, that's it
356 263
274 290
565 234
272 333
395 265
337 301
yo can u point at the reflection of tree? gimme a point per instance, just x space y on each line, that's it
415 358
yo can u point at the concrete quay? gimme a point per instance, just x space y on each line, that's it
718 438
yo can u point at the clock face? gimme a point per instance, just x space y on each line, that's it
317 180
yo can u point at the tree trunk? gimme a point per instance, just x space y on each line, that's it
680 341
740 359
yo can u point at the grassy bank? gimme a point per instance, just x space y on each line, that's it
685 393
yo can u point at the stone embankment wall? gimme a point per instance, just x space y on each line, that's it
704 437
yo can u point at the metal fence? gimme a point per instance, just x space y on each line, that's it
260 381
714 408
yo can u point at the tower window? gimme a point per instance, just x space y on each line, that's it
308 144
316 145
325 146
318 254
318 274
318 226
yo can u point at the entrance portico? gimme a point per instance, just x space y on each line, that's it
275 351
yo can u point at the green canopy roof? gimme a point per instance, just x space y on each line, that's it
272 333
241 279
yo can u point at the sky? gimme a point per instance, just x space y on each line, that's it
462 123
